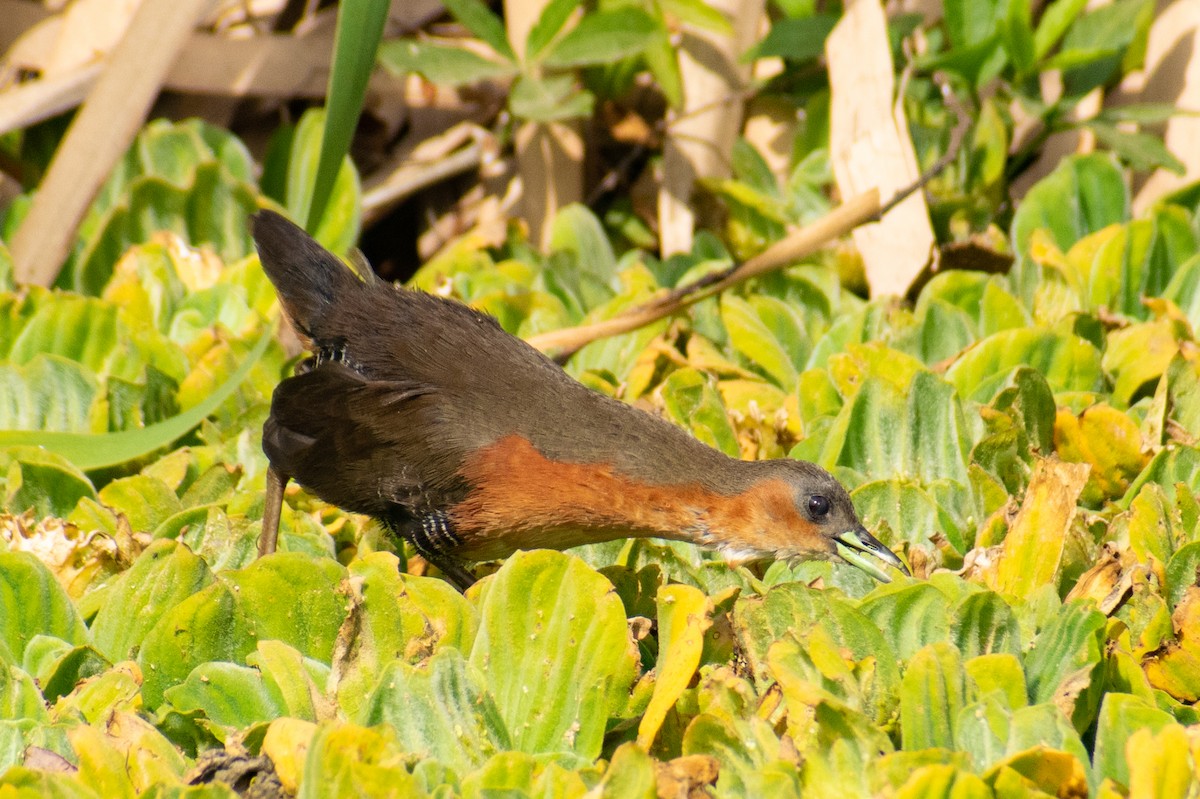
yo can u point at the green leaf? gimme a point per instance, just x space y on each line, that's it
33 604
1068 363
483 23
752 338
1120 717
984 624
47 393
164 575
1054 22
554 15
338 226
602 37
796 38
356 39
348 760
283 684
440 710
909 616
443 64
793 608
1063 658
289 597
1084 194
95 451
549 99
554 651
41 481
932 695
1142 151
692 402
400 616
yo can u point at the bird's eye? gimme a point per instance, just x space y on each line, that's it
818 506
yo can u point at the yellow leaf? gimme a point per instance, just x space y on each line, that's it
684 614
1159 764
1032 550
286 743
1106 439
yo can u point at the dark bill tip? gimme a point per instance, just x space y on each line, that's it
854 546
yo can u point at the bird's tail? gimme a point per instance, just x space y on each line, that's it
309 279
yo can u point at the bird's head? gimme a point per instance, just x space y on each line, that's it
797 510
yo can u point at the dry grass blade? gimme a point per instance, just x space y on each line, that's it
106 125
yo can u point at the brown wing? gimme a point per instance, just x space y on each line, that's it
363 445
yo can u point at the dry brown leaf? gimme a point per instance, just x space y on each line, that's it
871 148
700 137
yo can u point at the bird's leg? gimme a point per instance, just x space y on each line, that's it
431 535
272 508
453 569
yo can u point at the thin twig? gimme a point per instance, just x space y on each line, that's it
958 135
562 343
864 208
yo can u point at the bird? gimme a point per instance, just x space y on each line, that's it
469 444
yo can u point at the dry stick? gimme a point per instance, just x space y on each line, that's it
100 135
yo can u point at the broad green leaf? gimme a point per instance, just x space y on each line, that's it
1181 572
630 774
693 403
33 604
752 338
909 511
1062 661
166 574
984 624
1068 363
998 673
794 609
1121 715
41 481
439 710
932 694
1169 468
1160 763
281 683
553 697
1084 194
189 178
400 617
981 729
338 226
109 449
49 392
909 616
602 37
748 754
289 597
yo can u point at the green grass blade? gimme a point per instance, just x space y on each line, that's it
98 450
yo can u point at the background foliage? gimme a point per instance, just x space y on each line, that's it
1026 439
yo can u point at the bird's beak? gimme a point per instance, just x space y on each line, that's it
854 545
